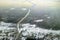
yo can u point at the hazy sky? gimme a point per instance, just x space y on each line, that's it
28 3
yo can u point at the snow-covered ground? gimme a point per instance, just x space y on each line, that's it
29 30
6 26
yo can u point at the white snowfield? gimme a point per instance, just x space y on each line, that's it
32 30
5 26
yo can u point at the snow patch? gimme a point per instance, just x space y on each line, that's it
40 20
12 8
24 9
